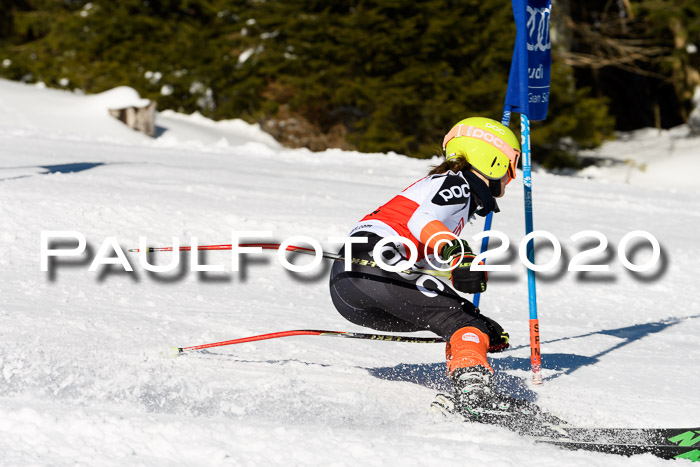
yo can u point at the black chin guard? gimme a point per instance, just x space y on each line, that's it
496 188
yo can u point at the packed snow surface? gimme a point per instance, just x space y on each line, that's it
650 158
87 375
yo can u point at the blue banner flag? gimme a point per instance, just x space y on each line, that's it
528 85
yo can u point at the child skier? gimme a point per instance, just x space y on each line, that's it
480 159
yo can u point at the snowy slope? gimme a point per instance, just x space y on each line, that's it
85 378
650 157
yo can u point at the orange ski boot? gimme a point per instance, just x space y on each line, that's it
469 370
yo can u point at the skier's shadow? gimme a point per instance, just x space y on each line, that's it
434 375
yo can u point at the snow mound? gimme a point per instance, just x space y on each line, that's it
198 131
118 98
667 159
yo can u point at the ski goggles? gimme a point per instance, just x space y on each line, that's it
512 165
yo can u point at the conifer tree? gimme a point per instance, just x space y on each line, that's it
393 74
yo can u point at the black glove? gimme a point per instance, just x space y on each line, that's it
498 338
463 278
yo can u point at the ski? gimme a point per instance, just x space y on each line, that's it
531 422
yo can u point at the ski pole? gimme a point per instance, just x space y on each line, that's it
264 246
505 119
344 334
294 248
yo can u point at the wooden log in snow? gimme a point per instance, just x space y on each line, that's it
141 119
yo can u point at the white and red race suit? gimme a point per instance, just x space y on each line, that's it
424 212
372 297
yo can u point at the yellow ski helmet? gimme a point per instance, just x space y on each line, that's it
489 146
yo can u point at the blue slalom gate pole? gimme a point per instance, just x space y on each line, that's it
535 355
489 217
528 94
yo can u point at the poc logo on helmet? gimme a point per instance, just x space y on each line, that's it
495 128
454 192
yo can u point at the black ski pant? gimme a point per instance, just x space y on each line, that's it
386 301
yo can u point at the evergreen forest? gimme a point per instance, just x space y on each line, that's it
372 75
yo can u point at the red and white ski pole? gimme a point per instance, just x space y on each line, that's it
344 334
293 248
264 246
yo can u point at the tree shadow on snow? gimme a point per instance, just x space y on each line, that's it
58 168
70 168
